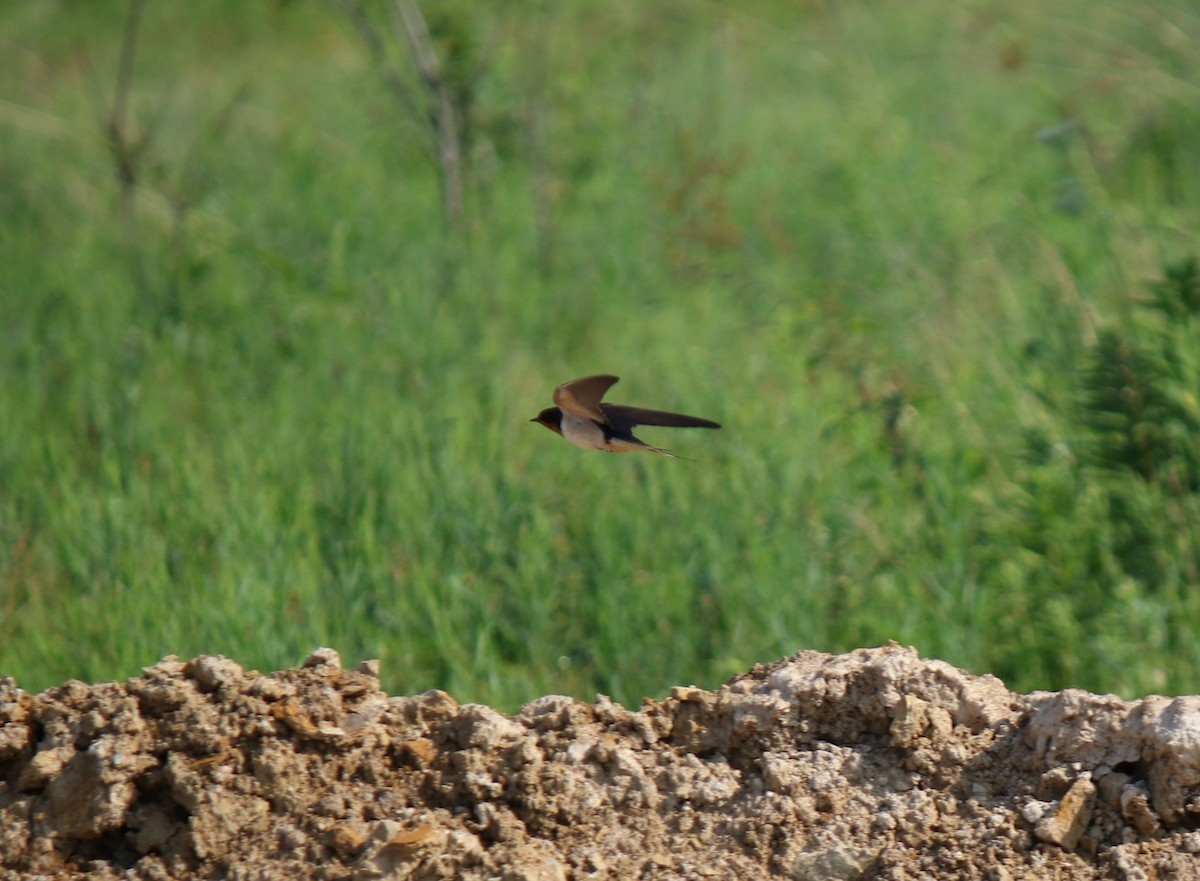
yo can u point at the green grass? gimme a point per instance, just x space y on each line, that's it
271 403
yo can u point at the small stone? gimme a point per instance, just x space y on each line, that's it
369 668
834 864
549 711
1033 810
153 827
46 765
1110 785
384 831
1068 823
1054 784
539 861
421 749
323 657
910 717
169 666
291 837
211 672
347 838
221 816
86 800
392 850
1135 808
436 705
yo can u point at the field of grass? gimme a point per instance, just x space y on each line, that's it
258 393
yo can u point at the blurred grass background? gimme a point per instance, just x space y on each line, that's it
931 264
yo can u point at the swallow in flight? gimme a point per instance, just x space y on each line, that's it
587 423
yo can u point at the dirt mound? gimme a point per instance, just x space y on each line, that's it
874 764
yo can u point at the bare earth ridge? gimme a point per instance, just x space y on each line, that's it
874 764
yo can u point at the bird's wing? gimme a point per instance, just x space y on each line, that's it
581 397
625 418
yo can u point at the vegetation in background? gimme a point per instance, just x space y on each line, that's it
264 383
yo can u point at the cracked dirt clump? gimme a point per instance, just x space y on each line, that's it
871 765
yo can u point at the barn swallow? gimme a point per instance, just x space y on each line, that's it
587 423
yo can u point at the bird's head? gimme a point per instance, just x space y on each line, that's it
551 417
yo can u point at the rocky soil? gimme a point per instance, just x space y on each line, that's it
875 764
